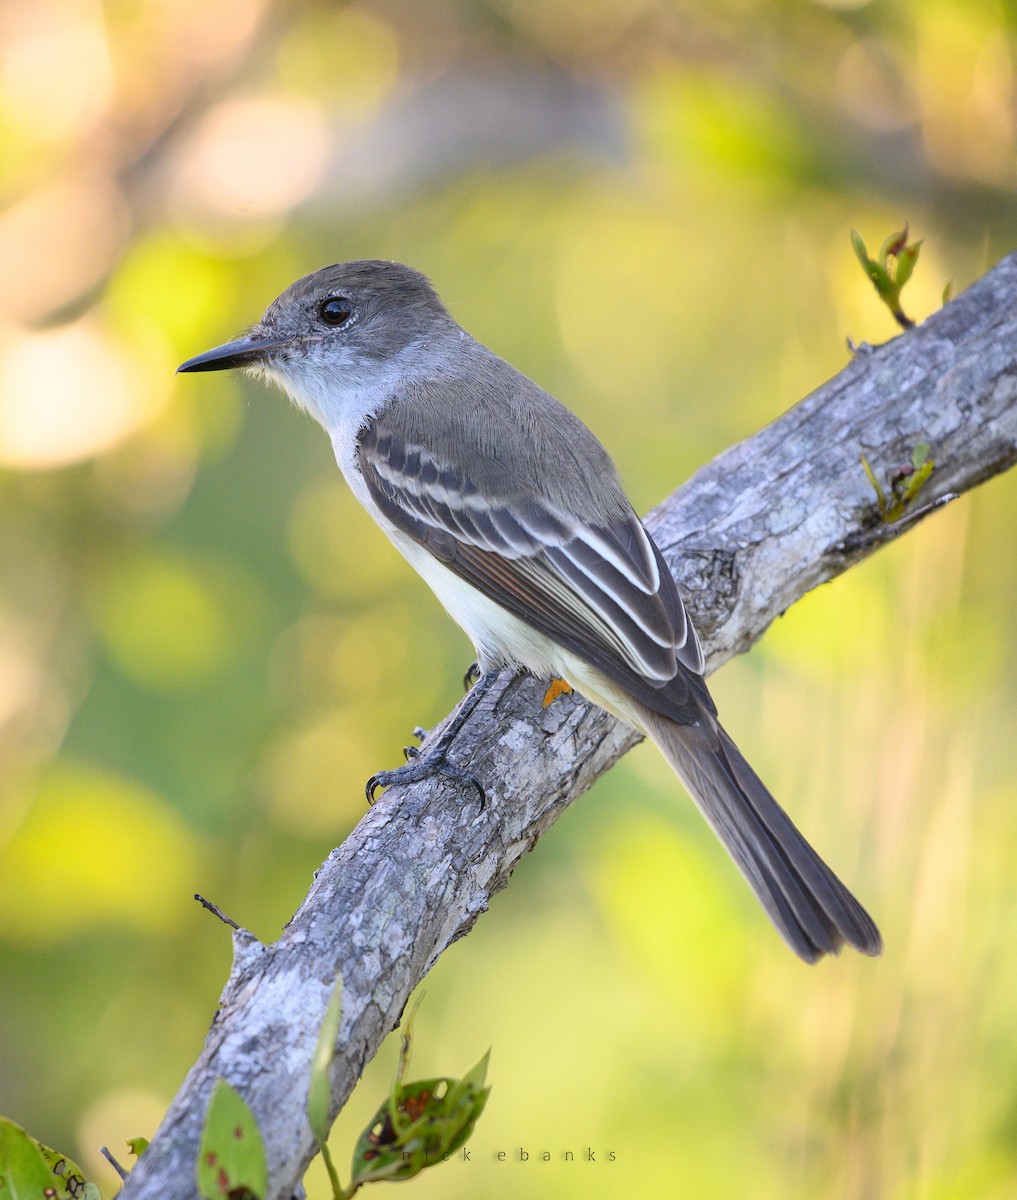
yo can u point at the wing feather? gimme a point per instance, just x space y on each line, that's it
601 590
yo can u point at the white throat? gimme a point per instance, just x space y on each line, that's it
336 393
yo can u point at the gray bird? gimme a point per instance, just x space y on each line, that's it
514 514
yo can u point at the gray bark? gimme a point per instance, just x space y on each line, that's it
769 519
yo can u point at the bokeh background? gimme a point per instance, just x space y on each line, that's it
205 647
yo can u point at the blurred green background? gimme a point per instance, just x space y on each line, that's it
206 647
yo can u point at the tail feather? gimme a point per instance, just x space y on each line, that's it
814 912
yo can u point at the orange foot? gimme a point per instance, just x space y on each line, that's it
558 688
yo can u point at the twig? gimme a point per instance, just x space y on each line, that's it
217 911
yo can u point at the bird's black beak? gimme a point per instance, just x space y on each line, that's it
244 352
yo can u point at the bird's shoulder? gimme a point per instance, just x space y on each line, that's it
480 419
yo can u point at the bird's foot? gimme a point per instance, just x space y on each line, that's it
472 676
422 766
419 766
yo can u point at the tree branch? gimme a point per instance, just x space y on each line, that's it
768 520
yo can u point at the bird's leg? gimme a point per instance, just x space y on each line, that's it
419 766
472 676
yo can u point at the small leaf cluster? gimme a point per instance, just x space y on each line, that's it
905 483
420 1123
889 277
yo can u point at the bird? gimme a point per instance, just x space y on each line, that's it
514 514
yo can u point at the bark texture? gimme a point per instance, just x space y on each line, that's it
762 524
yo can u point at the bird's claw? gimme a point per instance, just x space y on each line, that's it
472 676
419 767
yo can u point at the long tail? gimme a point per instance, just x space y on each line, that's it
814 912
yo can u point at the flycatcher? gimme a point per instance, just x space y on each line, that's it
514 514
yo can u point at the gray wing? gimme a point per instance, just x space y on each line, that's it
601 590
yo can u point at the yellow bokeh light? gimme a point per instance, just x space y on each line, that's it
615 275
312 780
873 84
360 70
58 242
252 158
336 549
694 946
169 623
93 848
68 394
966 81
42 43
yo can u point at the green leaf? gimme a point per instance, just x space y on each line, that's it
231 1160
319 1093
69 1178
879 276
905 483
24 1162
395 1144
880 494
468 1099
421 1124
906 263
893 245
24 1173
918 481
861 252
476 1077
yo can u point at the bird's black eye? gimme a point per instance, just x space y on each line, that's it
336 310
